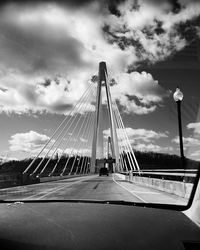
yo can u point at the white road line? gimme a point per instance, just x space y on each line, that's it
34 195
52 190
57 189
129 191
145 192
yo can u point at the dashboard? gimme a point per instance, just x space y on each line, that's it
79 225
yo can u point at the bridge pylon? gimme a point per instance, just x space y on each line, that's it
103 81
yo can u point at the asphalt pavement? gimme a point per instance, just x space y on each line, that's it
91 188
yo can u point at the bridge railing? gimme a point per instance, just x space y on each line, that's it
184 175
176 181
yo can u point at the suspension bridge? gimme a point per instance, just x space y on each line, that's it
77 145
93 136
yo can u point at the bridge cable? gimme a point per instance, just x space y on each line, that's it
55 131
74 142
126 145
120 145
66 143
85 165
58 146
137 166
87 137
60 134
71 153
124 141
121 138
83 134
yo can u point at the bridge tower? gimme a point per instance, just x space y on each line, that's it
109 150
103 82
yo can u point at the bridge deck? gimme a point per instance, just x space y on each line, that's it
89 187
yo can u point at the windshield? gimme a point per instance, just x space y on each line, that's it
99 100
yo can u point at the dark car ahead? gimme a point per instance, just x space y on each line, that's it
103 171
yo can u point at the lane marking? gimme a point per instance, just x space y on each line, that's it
145 192
131 192
63 186
57 189
95 187
52 190
35 195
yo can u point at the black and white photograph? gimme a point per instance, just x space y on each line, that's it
100 124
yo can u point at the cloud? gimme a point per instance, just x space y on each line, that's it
27 142
142 140
195 126
153 148
43 40
6 159
151 30
31 143
74 151
57 95
38 42
83 140
187 141
138 92
137 136
36 39
40 38
144 134
196 153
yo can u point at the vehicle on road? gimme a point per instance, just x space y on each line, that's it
103 171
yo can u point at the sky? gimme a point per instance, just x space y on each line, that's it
50 50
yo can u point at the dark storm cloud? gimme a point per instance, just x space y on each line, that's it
38 47
154 29
60 107
112 6
3 89
72 3
39 40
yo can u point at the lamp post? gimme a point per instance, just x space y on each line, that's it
178 97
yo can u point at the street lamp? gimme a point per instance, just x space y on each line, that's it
178 97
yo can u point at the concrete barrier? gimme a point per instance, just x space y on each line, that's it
181 189
120 176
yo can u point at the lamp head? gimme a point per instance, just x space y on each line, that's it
178 95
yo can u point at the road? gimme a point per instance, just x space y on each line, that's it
89 187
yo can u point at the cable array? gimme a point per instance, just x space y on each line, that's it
60 153
126 155
68 151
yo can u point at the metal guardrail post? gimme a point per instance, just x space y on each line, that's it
131 176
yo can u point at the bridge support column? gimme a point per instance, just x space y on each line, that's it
102 81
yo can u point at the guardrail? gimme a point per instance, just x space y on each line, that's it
185 175
174 181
